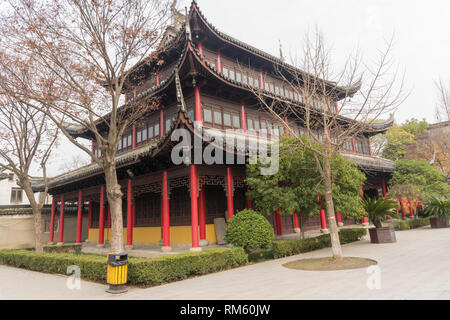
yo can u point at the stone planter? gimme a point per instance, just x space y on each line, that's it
382 235
439 223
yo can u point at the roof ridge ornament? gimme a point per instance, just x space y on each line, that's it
188 27
281 51
177 16
180 97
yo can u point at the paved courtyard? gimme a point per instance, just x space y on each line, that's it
416 267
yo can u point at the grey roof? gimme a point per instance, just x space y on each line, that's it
370 162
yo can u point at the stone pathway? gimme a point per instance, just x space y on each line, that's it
416 267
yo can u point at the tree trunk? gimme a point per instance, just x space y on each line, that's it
329 206
37 216
114 195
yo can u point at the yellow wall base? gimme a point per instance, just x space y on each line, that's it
178 235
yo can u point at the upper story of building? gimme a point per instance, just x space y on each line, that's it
218 77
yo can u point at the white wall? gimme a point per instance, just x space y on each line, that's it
5 192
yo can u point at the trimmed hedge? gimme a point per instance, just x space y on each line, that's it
153 272
64 248
412 223
141 271
291 247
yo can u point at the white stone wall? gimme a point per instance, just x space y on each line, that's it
5 192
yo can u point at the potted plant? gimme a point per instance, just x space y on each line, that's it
439 211
377 211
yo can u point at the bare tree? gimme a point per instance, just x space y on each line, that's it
332 105
88 49
26 138
75 162
443 107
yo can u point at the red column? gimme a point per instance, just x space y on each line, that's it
166 229
194 207
162 217
296 226
370 147
202 213
323 222
244 120
278 228
157 78
339 217
52 221
80 217
108 223
403 208
89 215
411 213
200 48
101 222
383 183
61 221
354 145
161 123
129 216
261 80
134 136
230 193
219 61
198 105
365 220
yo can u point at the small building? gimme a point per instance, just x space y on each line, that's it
200 83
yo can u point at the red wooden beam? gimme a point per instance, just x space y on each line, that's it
79 217
244 121
166 231
129 216
278 227
198 105
200 48
194 206
101 222
61 221
230 193
323 222
219 61
202 213
134 136
161 122
296 226
52 221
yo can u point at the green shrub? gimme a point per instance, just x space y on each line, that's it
261 256
438 207
141 271
249 230
64 248
412 223
291 247
92 267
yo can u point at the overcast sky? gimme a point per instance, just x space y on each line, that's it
421 47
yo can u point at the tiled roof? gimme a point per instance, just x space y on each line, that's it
370 162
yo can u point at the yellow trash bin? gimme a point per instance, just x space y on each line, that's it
116 275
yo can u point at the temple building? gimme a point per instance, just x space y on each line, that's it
200 82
